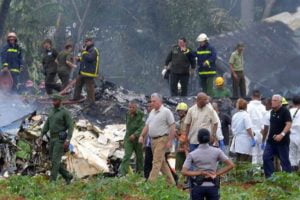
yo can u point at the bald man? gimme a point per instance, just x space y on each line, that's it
199 116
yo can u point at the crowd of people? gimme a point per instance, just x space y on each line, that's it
56 65
254 132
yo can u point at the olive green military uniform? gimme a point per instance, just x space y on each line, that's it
221 92
50 71
181 148
64 71
59 120
134 125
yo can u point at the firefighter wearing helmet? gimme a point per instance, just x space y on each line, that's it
11 59
181 136
221 91
206 58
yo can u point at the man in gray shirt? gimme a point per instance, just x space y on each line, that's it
160 126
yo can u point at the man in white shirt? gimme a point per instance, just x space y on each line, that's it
295 134
257 111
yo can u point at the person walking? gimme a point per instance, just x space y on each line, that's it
200 115
160 126
50 67
201 166
236 63
12 59
134 126
181 60
206 59
278 141
243 140
60 125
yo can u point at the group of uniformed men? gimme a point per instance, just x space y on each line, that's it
60 64
181 62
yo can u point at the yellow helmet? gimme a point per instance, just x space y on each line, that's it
219 81
284 101
182 106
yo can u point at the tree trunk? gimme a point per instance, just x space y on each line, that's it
4 10
247 12
268 8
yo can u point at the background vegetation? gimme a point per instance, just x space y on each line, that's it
133 35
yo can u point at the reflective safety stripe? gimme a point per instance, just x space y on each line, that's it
85 52
187 51
98 60
203 52
12 50
207 73
88 74
97 67
15 70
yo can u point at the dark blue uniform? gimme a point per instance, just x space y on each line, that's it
206 58
11 57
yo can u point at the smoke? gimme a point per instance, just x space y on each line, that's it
12 108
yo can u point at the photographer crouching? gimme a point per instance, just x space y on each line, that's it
201 166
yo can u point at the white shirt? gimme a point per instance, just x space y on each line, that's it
241 142
257 112
295 129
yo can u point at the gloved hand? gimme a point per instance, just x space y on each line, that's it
263 146
222 145
253 142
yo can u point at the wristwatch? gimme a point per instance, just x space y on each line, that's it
282 133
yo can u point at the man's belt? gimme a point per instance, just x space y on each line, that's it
154 138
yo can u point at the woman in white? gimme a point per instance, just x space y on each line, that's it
243 139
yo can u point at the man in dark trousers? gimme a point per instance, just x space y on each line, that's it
50 67
181 59
89 69
148 150
60 125
206 58
278 141
12 60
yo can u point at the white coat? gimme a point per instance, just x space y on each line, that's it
241 142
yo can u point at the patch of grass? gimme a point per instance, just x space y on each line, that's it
130 187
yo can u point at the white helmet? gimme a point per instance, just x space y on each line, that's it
12 34
202 37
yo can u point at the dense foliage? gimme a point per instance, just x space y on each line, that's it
280 187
